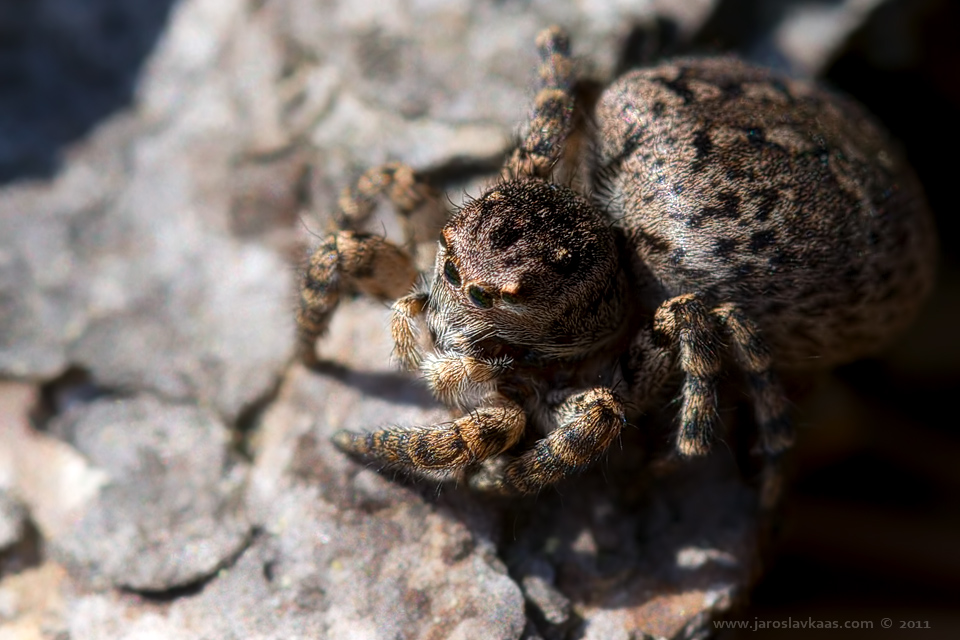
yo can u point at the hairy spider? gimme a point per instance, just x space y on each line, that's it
734 215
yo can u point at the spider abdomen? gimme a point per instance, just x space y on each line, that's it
747 187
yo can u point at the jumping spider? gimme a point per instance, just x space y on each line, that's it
732 215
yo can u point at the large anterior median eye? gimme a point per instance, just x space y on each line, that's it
480 298
451 274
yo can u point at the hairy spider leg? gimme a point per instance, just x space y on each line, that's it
588 422
685 323
405 331
553 110
403 187
441 448
753 356
349 260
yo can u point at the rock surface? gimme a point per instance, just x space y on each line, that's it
12 516
52 480
124 264
171 512
186 486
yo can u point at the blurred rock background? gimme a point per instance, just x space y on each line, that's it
164 471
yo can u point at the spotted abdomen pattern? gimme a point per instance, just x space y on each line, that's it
746 187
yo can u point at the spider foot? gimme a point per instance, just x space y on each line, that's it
589 423
488 479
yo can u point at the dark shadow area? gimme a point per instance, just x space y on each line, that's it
65 66
388 385
924 397
646 43
26 553
745 27
74 387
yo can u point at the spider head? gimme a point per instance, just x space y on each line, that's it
529 265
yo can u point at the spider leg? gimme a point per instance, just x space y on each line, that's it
552 117
345 261
754 358
404 329
685 323
588 422
396 181
647 367
350 260
445 447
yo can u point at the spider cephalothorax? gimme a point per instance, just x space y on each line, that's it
530 264
737 217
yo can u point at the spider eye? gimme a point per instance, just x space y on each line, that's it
509 298
480 298
451 274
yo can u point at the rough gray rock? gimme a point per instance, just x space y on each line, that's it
343 551
125 264
54 482
171 512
